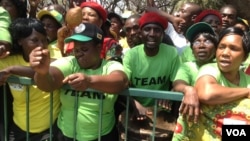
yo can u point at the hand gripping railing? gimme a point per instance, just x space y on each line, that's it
155 94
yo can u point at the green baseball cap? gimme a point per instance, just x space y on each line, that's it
86 32
200 27
53 13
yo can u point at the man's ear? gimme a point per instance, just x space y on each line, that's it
193 17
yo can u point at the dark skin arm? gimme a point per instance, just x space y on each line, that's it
62 34
24 71
114 82
33 7
190 103
176 21
212 93
15 70
50 78
4 49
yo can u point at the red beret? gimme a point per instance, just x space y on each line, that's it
152 17
207 12
97 7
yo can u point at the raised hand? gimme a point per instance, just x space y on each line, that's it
3 52
40 60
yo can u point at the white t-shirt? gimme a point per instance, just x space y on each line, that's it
179 40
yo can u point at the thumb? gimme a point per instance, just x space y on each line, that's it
45 51
65 80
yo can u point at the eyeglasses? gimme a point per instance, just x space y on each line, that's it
206 43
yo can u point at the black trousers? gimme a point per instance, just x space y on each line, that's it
17 134
9 114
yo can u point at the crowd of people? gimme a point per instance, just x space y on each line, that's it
202 53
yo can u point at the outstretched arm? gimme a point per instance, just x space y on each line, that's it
177 22
210 92
114 82
49 78
190 103
46 78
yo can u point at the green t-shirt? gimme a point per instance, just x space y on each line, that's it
187 72
246 63
210 122
187 55
154 73
88 103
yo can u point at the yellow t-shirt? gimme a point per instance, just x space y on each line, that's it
39 101
55 52
123 42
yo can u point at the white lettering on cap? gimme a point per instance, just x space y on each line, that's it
80 28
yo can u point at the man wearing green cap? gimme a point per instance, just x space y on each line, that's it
82 71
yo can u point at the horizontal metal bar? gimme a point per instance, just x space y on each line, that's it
157 94
20 80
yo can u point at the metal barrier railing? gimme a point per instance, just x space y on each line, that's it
155 94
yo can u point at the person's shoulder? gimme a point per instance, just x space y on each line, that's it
170 28
190 63
65 60
209 69
136 49
247 76
168 48
111 65
111 62
12 60
14 57
209 66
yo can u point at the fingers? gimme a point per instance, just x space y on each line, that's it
166 104
190 112
65 80
74 81
141 117
193 114
5 54
185 109
71 79
196 114
2 48
37 55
